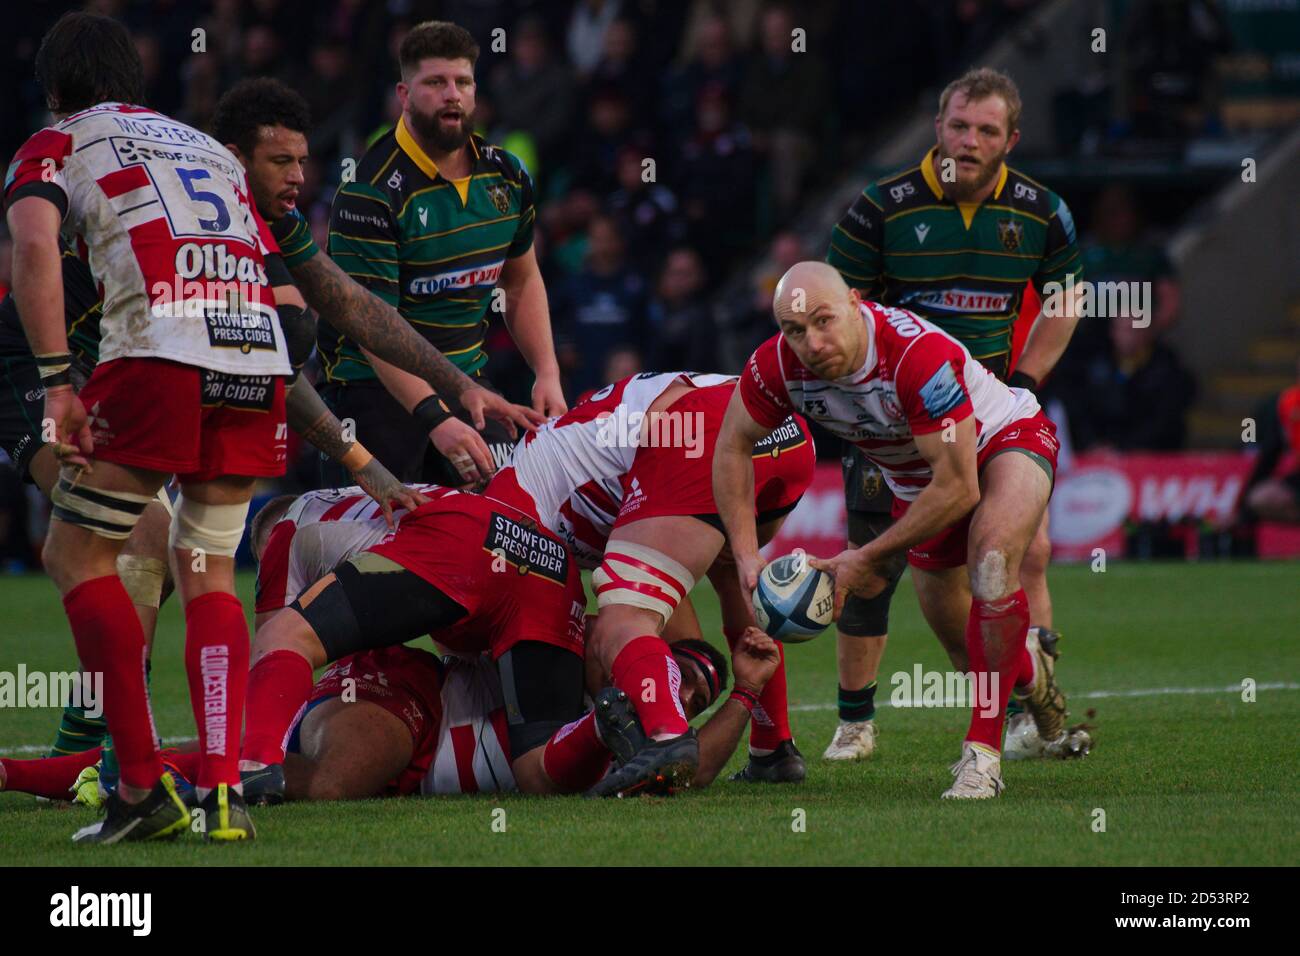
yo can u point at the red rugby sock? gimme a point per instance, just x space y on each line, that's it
50 777
574 757
995 641
278 687
110 642
770 723
645 670
216 660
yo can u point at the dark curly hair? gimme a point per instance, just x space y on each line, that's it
251 104
435 38
86 59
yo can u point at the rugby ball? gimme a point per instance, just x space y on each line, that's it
794 602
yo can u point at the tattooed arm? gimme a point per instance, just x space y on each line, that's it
309 417
378 327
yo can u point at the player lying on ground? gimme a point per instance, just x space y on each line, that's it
477 575
970 461
400 721
298 541
624 479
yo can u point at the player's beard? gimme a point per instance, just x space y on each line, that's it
964 190
430 129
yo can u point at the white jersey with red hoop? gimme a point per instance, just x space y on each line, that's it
916 379
320 529
162 214
572 467
473 754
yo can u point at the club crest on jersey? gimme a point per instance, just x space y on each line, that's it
500 196
527 549
1011 233
872 482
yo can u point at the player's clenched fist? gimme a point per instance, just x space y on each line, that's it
465 449
754 659
72 442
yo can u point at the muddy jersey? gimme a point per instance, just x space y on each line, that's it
319 530
917 379
163 216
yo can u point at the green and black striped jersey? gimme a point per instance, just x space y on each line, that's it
82 310
432 247
293 235
963 266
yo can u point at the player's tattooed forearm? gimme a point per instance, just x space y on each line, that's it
308 416
378 482
375 325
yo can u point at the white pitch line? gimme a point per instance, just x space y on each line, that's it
914 703
1092 695
45 748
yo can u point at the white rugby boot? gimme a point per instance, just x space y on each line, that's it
853 740
977 775
1022 741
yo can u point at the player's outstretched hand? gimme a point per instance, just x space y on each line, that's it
854 573
754 659
72 442
548 396
382 485
482 404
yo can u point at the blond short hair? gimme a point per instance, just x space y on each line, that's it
981 82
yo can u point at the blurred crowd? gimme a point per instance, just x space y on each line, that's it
670 142
667 140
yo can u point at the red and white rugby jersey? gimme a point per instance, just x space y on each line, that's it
162 213
571 469
915 380
473 754
318 531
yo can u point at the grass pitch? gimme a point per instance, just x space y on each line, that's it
1185 770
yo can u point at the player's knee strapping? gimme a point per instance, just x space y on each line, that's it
109 514
638 576
143 578
212 529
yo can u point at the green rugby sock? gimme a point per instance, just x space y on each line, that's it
77 732
857 705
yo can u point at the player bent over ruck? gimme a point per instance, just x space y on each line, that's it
970 460
624 479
